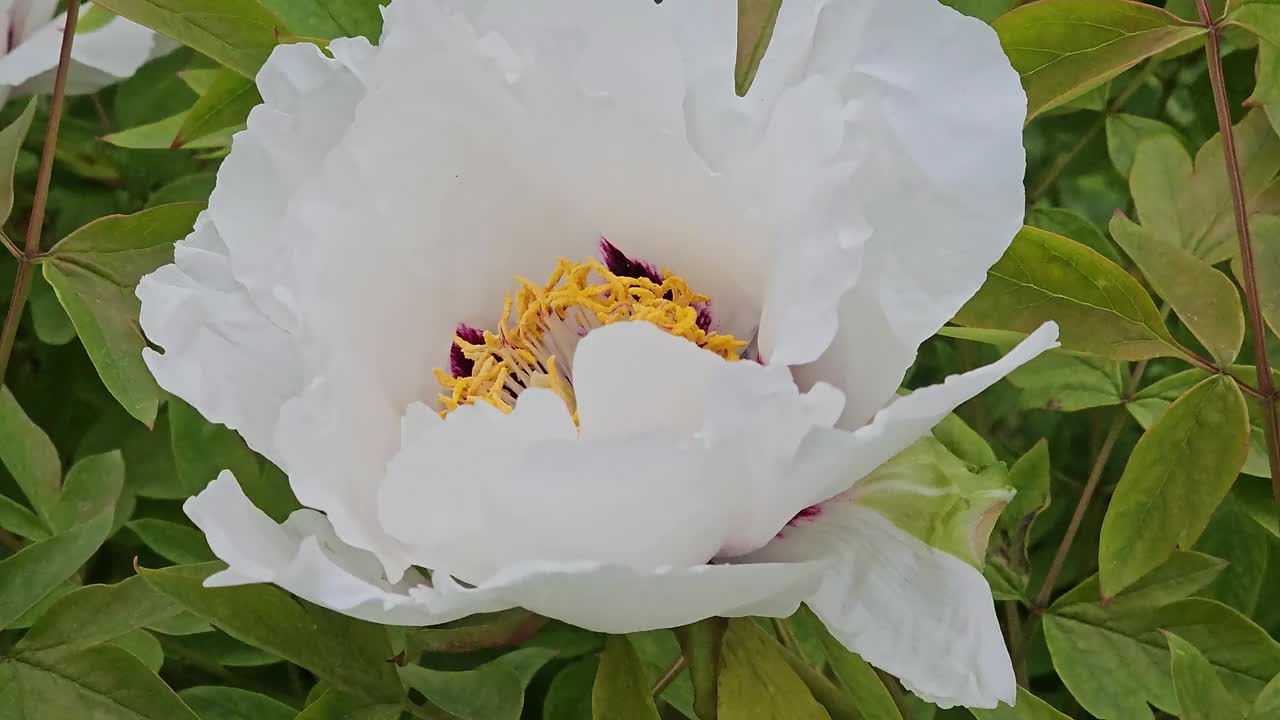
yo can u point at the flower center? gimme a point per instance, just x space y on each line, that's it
541 326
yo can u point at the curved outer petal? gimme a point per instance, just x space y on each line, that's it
306 558
919 613
100 57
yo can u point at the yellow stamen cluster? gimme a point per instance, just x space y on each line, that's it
541 325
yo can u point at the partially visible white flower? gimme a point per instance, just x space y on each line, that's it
31 42
701 421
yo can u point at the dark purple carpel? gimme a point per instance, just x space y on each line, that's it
622 266
460 365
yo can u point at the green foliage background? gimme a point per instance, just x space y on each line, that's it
1137 570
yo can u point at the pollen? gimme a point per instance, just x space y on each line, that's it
541 325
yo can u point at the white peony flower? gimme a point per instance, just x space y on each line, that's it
31 42
679 428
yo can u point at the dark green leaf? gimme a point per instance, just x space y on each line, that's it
493 691
95 614
329 19
176 543
103 683
93 485
94 272
350 654
228 703
868 691
29 456
34 571
11 139
1200 694
569 697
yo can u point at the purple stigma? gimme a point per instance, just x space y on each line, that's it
459 364
621 265
704 317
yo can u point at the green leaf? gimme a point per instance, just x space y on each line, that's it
932 495
658 650
1267 706
48 319
493 691
95 614
202 449
1099 307
228 703
142 645
569 696
103 683
1195 210
180 544
1008 567
350 654
1200 693
756 19
329 19
1205 299
161 134
1244 544
621 690
1185 573
224 106
861 681
701 644
508 628
20 521
757 683
1176 476
36 570
29 456
11 139
1027 707
237 33
1266 262
334 705
1071 224
93 485
94 271
1124 134
1258 17
963 441
985 10
1064 48
1115 661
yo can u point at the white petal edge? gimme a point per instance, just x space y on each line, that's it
918 613
842 457
304 557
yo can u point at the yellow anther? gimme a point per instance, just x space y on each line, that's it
540 328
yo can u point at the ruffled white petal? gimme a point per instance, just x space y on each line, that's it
305 557
99 58
919 613
933 121
220 312
221 354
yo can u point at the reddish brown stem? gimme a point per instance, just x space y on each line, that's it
1248 267
26 264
